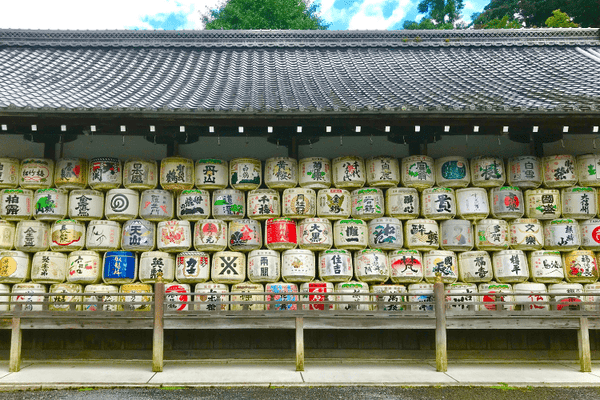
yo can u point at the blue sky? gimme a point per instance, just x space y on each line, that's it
185 14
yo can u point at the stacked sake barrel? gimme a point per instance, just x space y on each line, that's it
341 226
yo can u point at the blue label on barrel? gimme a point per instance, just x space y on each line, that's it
454 170
119 265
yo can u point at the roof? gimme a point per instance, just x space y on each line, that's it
464 71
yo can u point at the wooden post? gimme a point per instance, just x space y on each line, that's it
583 339
16 340
299 344
158 338
441 356
293 148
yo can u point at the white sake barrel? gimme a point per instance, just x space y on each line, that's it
176 173
105 173
14 267
510 266
263 266
176 295
506 202
228 204
138 235
298 266
192 267
354 294
119 267
211 297
281 234
349 172
86 204
174 236
139 174
315 234
371 266
156 205
121 204
103 235
71 173
421 234
99 294
592 289
463 298
282 292
456 235
83 266
28 295
248 298
32 236
228 267
7 235
472 203
335 265
421 293
566 302
487 171
314 173
16 204
154 264
210 235
62 302
545 266
475 267
406 266
383 171
588 169
528 296
417 172
50 204
562 234
132 295
245 173
334 204
245 235
579 202
491 234
49 267
590 234
580 266
495 291
299 203
318 295
402 203
525 172
385 233
264 204
350 234
36 173
9 173
542 204
193 205
452 172
367 203
387 297
211 173
441 261
526 234
281 172
559 171
67 235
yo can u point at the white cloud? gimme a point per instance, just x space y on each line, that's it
370 15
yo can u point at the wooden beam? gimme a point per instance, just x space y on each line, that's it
441 355
158 337
299 344
293 148
16 340
583 339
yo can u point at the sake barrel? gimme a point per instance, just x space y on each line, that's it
28 295
314 173
452 172
510 266
317 295
50 204
156 205
350 234
67 235
105 173
406 266
130 295
174 236
542 204
154 264
192 267
264 266
65 302
349 172
228 204
491 234
371 266
367 203
487 171
176 173
83 267
334 204
7 235
86 204
579 202
354 295
263 204
102 235
211 297
140 174
32 236
590 234
459 296
315 234
559 171
388 297
281 234
298 266
17 204
121 204
210 235
506 202
525 172
417 172
335 265
9 173
36 173
14 267
587 168
176 296
593 296
247 298
496 292
49 267
299 203
456 235
421 293
472 203
580 266
526 234
475 267
402 203
383 171
281 172
119 267
286 293
545 266
569 302
212 173
441 261
138 235
193 205
528 296
385 233
245 173
562 234
228 267
71 173
245 235
99 295
421 234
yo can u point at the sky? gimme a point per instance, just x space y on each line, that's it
185 14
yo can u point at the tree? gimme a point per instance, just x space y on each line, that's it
440 14
504 23
560 19
264 14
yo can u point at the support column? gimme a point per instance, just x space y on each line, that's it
299 344
293 148
441 356
583 339
16 340
158 337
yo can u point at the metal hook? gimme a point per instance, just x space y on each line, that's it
186 137
277 143
91 137
309 143
404 140
341 141
499 142
562 143
246 138
154 139
123 140
466 139
218 140
594 143
371 139
60 140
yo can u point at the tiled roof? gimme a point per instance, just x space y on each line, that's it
463 71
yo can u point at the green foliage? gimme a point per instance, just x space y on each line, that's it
504 23
264 14
560 19
441 11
